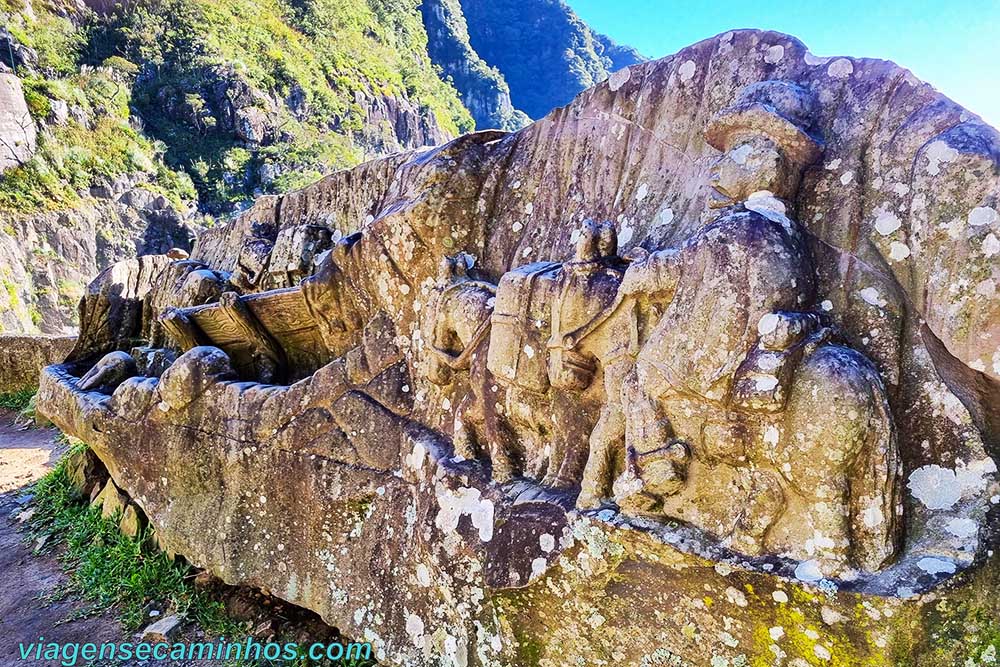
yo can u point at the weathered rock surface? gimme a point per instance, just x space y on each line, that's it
315 440
22 359
47 259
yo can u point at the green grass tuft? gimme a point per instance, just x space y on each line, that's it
18 401
107 568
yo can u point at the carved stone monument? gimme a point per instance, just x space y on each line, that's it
701 369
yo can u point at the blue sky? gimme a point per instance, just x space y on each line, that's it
955 46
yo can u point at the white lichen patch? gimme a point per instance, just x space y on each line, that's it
619 79
739 155
963 528
872 516
464 501
625 235
415 629
767 324
809 571
769 206
887 222
991 245
871 296
664 217
736 596
846 178
936 566
831 616
936 487
686 70
774 54
841 68
982 215
642 192
765 382
939 152
898 251
538 567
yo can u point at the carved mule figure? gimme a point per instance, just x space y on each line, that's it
531 405
459 334
724 400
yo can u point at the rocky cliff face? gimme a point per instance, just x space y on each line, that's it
18 134
48 258
484 90
332 384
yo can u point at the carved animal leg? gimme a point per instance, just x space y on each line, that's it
463 436
629 492
607 447
646 429
569 444
765 502
498 436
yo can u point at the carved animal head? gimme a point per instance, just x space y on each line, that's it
437 326
453 317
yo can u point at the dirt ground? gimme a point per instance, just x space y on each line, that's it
25 577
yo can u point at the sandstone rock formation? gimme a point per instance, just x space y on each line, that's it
699 369
23 357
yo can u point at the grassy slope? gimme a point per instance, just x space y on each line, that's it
329 51
72 157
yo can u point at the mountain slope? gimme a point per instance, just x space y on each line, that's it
140 117
128 124
484 90
547 54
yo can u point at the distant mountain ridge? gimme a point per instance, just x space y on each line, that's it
517 59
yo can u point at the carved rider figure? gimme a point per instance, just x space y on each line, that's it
750 261
739 415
